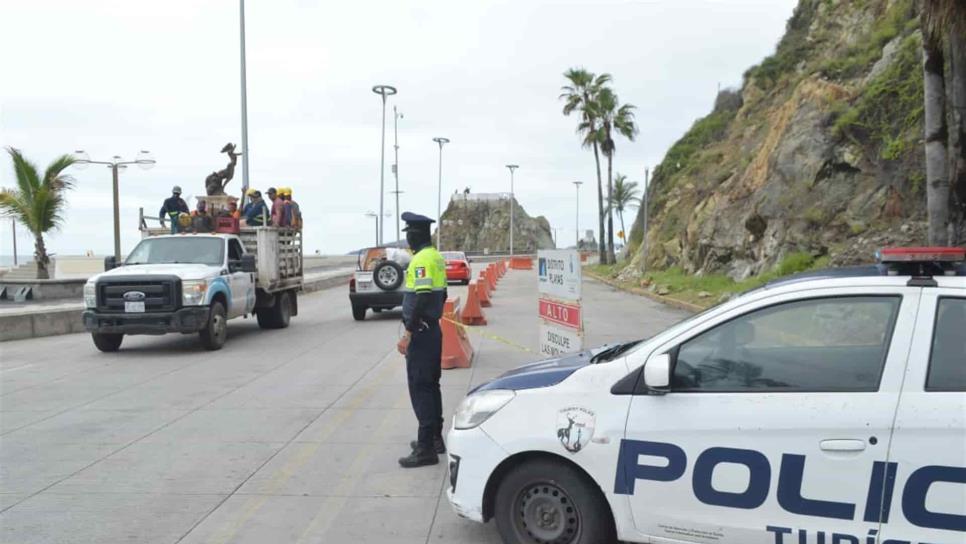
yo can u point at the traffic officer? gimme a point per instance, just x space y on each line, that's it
423 343
173 207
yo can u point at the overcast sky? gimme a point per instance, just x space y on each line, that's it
114 77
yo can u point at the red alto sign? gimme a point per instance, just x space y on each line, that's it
563 314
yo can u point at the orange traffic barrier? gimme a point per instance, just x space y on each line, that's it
491 277
483 291
501 267
473 313
484 280
457 350
521 263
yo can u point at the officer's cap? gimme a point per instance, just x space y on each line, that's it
414 221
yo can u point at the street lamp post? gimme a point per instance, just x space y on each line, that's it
383 91
511 168
396 116
375 216
577 184
244 103
144 160
13 230
439 195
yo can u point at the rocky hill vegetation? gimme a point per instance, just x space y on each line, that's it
477 223
817 158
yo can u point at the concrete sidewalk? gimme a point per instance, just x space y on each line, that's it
283 436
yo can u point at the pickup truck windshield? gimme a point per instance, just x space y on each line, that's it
180 250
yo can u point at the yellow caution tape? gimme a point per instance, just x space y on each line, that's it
489 336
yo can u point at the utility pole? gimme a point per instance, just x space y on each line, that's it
647 186
577 184
511 167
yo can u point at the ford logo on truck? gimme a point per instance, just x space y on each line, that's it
133 296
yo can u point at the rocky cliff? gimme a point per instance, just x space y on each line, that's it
819 151
476 222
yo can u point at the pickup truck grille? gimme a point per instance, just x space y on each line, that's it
161 293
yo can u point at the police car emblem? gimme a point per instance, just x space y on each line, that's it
575 428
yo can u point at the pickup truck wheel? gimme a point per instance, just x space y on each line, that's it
214 334
545 501
278 314
107 341
358 312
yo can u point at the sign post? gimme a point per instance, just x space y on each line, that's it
559 308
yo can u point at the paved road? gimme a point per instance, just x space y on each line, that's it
283 436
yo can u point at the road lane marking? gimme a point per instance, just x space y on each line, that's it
21 367
333 505
303 455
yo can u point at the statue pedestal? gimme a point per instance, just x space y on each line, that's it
217 203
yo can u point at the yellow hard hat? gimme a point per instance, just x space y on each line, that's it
251 191
284 190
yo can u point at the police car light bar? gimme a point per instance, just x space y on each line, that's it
922 255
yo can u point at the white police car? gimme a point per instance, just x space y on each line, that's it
829 408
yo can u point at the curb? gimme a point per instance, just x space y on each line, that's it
37 323
680 304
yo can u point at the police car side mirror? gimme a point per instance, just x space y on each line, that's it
657 373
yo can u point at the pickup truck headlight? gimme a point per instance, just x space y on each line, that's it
478 407
90 294
193 292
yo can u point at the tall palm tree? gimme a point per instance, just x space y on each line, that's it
614 118
943 24
624 196
37 202
581 96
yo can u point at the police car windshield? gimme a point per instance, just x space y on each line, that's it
181 250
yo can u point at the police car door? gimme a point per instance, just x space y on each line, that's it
777 415
241 283
928 453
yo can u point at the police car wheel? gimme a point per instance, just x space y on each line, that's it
387 275
546 502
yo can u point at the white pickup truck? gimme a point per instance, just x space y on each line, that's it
195 283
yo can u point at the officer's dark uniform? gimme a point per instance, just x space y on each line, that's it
422 309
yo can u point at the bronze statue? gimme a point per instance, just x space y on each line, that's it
215 183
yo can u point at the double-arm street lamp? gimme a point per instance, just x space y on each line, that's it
144 160
383 91
511 168
439 196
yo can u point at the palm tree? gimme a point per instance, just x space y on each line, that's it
581 96
624 196
37 202
619 118
943 22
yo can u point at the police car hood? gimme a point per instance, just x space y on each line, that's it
184 271
542 373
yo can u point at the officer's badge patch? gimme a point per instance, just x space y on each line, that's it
420 272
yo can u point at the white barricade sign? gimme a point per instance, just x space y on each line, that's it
556 341
558 274
559 311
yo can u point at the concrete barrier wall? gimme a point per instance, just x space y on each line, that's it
36 322
47 289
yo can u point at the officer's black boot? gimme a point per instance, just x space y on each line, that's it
438 445
420 457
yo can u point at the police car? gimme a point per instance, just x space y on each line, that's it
827 408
